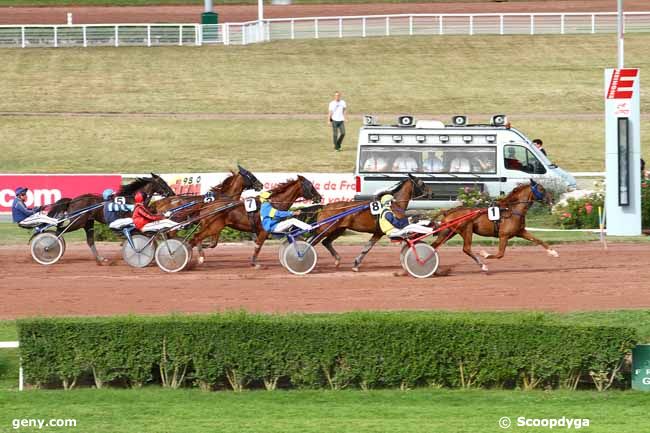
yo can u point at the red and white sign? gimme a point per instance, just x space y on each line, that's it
48 188
621 85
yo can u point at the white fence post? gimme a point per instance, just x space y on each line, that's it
267 27
85 37
471 25
293 29
593 23
180 35
387 26
148 35
363 27
410 25
500 24
316 28
198 34
440 31
56 36
532 24
340 27
117 36
22 36
562 24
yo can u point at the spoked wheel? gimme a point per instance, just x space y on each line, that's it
47 248
300 257
421 261
141 255
283 246
173 255
62 239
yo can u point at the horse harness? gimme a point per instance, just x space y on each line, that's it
497 223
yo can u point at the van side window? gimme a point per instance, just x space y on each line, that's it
521 159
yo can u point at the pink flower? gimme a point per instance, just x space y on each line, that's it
566 215
589 208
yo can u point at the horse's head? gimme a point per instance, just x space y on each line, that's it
157 185
308 190
539 193
250 181
419 187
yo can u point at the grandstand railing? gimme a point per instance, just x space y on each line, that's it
319 27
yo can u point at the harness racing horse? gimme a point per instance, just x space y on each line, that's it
364 221
150 185
282 197
512 222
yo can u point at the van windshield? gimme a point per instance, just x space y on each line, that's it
427 159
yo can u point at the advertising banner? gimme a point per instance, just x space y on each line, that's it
45 189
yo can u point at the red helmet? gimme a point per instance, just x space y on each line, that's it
140 197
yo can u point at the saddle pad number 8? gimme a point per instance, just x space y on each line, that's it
375 208
494 213
250 205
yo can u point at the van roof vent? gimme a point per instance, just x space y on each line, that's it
432 124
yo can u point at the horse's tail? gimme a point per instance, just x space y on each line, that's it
59 207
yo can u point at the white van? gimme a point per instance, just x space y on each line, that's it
490 157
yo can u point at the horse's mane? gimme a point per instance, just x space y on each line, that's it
218 189
279 189
514 192
134 186
391 189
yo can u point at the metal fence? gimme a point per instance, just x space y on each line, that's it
319 27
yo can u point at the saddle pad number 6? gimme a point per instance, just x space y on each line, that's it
375 208
250 205
494 214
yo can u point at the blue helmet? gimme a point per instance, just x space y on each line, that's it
20 190
106 195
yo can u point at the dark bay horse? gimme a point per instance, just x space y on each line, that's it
364 221
282 197
513 209
151 185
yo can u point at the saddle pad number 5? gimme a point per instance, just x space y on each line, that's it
494 214
375 208
250 205
119 200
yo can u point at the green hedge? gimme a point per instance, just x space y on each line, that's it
364 350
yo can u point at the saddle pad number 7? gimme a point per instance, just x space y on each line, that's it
494 214
375 208
250 205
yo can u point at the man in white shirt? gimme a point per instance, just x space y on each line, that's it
405 163
375 163
336 116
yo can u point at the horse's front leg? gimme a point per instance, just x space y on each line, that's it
261 238
371 243
529 237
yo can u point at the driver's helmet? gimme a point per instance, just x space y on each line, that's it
140 197
107 194
386 200
265 195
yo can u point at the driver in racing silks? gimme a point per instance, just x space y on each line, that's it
275 220
393 226
19 210
115 214
144 220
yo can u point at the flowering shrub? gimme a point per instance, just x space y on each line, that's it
473 197
580 213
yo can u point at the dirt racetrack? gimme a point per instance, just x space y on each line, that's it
237 13
584 278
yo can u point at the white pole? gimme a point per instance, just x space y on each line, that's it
260 19
621 33
21 377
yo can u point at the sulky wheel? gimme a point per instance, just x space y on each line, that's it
421 260
300 257
402 253
173 255
142 254
47 248
283 246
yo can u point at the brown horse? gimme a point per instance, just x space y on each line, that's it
230 189
512 222
282 197
364 221
66 206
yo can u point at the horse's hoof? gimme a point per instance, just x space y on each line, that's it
484 254
355 269
201 260
552 253
484 268
337 263
401 273
257 266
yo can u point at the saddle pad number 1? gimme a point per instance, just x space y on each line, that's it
494 214
375 208
250 205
